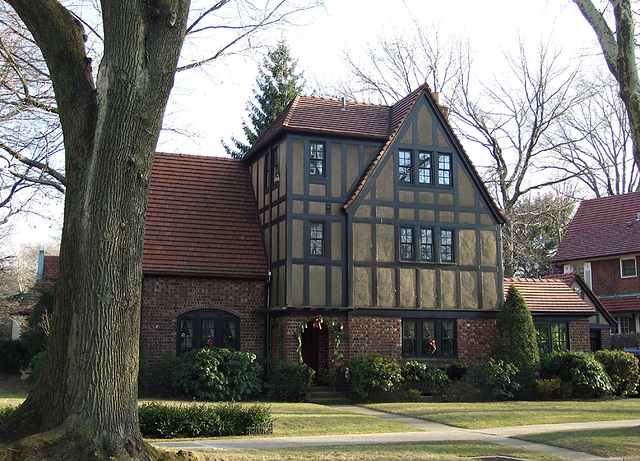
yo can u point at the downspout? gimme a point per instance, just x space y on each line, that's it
267 329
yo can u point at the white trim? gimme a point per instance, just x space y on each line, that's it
635 267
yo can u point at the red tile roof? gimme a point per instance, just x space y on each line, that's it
602 227
202 219
549 296
619 304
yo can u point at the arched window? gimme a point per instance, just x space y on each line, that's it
197 327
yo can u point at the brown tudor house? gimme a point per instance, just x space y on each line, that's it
347 228
603 244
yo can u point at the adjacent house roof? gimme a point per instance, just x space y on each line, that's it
202 219
603 227
46 277
549 296
620 304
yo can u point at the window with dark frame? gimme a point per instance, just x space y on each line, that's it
434 338
406 243
267 170
424 167
275 165
552 336
426 244
444 169
405 168
446 245
196 328
316 158
316 239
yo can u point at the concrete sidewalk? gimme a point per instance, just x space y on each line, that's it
427 432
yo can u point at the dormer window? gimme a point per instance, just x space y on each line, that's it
316 159
628 268
424 168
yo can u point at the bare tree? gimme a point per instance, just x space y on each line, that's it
400 63
84 404
517 122
614 24
599 140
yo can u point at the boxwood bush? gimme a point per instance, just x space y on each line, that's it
217 374
290 382
622 369
202 420
586 376
367 373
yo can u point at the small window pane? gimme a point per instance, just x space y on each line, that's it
404 166
559 337
316 240
448 337
316 159
229 333
409 338
426 244
444 169
275 162
542 336
429 345
208 331
424 167
446 245
406 243
186 335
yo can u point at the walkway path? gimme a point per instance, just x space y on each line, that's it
428 432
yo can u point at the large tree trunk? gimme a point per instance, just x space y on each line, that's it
86 397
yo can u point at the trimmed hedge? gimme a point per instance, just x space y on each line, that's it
586 376
290 382
622 369
425 378
202 420
367 373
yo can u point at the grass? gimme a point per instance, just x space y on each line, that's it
608 443
12 397
396 452
481 415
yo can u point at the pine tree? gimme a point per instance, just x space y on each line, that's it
515 340
277 85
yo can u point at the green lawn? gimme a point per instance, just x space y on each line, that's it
479 415
607 443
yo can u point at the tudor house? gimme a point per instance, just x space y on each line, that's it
603 244
377 227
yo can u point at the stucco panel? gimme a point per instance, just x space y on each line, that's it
386 287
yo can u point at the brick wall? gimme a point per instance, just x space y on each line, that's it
579 336
375 334
165 298
607 279
475 339
605 339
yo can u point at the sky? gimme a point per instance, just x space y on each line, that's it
208 105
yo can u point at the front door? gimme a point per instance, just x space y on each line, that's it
310 347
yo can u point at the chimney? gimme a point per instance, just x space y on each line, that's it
343 101
40 265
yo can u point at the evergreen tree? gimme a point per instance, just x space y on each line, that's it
278 83
515 340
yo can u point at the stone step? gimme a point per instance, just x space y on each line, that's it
324 395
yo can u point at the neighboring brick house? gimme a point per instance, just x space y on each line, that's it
375 221
204 265
603 244
566 313
45 279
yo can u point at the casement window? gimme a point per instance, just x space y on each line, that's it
198 329
317 159
584 269
444 169
552 336
429 338
406 243
316 239
271 168
434 245
424 168
624 325
628 268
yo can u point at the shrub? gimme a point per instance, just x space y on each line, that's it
290 382
36 365
430 379
622 369
581 370
515 340
5 413
548 388
169 421
217 374
14 356
372 372
495 379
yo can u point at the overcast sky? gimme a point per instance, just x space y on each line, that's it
209 104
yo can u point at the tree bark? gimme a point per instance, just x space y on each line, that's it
86 397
